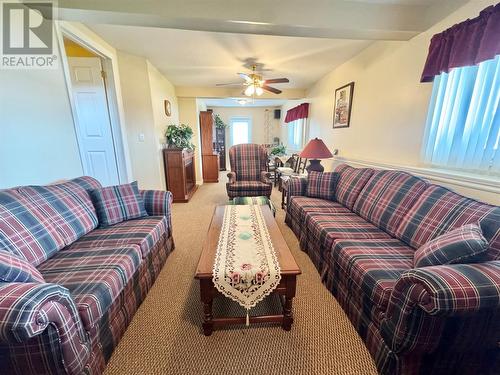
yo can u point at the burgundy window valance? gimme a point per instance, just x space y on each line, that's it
301 111
466 43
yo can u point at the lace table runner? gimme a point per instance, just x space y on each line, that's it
246 268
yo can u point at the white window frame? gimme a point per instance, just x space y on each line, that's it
241 119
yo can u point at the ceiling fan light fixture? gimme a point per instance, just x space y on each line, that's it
259 91
249 91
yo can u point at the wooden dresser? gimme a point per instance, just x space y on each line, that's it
180 173
209 156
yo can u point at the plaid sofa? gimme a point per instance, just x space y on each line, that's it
430 320
93 279
248 176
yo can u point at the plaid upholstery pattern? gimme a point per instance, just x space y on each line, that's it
387 197
248 161
296 186
248 176
321 185
322 229
421 297
350 183
86 182
16 269
299 206
28 311
115 204
95 277
158 203
249 189
439 210
461 245
144 233
68 205
24 230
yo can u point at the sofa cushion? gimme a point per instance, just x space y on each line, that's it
115 204
368 269
95 277
465 244
17 269
143 232
321 185
322 229
68 205
387 197
350 183
25 230
439 210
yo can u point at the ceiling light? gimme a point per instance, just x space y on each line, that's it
250 90
242 102
259 91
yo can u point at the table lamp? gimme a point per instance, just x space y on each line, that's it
314 151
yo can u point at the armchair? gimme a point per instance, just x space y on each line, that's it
248 176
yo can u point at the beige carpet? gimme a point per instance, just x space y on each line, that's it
165 335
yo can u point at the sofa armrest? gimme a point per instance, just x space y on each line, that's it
158 203
28 309
265 177
231 177
296 185
424 298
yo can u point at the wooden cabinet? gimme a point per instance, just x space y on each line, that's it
209 156
180 173
220 147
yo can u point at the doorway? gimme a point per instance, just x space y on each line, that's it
96 138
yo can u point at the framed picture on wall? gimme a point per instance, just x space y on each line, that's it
342 106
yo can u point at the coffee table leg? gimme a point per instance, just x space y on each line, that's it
287 307
207 298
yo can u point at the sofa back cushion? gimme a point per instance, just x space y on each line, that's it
350 183
387 197
115 204
26 231
439 210
68 205
17 269
465 244
321 185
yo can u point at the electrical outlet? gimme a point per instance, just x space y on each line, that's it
141 137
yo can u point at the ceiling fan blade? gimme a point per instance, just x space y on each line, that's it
245 76
271 89
276 80
230 84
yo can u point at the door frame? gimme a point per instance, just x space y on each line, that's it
110 68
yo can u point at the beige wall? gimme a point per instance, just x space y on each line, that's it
257 115
390 104
37 136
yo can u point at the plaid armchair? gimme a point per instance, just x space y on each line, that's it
248 176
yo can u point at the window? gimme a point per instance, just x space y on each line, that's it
296 131
240 130
463 124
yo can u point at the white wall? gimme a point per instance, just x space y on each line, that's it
390 104
257 115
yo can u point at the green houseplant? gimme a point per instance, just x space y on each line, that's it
179 136
278 150
219 123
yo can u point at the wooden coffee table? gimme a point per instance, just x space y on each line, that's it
286 288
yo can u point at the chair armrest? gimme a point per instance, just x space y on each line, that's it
265 177
423 298
232 177
28 309
296 185
158 203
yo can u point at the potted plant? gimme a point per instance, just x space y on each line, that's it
279 150
179 136
219 123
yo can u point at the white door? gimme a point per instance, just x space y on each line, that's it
95 137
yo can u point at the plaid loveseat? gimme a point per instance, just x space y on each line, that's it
91 280
248 176
430 320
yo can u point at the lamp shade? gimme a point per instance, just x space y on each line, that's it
316 149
